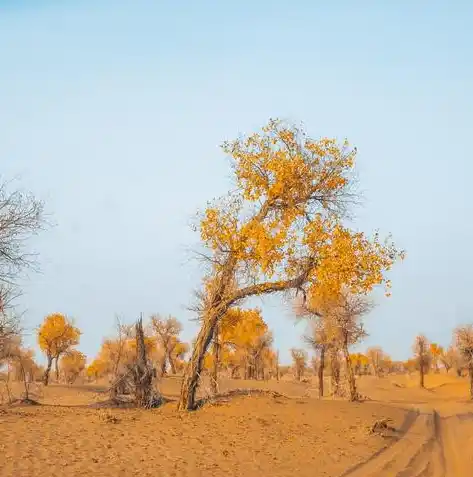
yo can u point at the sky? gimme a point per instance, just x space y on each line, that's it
112 112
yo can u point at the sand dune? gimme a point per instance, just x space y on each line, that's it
246 436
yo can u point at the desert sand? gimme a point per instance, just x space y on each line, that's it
293 434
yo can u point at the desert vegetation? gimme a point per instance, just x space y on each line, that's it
280 230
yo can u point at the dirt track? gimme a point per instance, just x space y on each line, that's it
436 439
432 446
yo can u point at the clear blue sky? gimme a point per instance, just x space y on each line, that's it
112 112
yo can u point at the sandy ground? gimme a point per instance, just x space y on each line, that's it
246 436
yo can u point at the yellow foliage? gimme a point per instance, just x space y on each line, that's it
240 330
436 350
96 369
286 208
359 359
72 364
57 334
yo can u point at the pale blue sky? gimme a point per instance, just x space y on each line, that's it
112 112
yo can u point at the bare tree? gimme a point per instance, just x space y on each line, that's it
167 331
375 356
21 216
299 358
340 325
449 358
464 342
346 314
318 339
423 359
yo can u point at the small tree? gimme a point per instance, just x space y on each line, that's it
167 330
56 336
72 364
436 352
299 359
345 313
375 356
320 341
450 359
423 357
464 343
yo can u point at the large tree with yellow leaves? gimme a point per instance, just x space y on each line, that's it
280 229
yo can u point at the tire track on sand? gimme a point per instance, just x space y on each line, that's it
432 446
415 454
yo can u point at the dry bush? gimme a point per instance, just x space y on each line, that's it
107 416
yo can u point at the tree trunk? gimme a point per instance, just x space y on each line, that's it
57 368
470 372
335 368
350 374
321 372
277 367
143 376
216 362
163 364
421 374
25 380
187 399
47 371
172 364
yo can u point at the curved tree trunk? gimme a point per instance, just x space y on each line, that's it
194 368
321 371
216 362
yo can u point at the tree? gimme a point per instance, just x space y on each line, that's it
178 355
320 341
117 357
299 358
72 364
436 352
450 359
375 356
280 229
243 342
423 357
464 342
56 336
343 314
21 217
360 363
167 331
9 323
142 370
